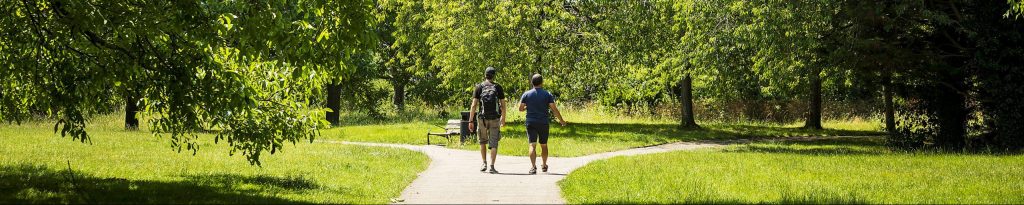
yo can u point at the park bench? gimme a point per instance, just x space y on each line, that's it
452 128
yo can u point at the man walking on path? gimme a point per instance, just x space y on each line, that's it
536 103
489 97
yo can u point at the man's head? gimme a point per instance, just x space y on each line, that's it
490 72
537 80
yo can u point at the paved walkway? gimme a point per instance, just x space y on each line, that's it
454 176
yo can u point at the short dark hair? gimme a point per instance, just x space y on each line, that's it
537 79
490 72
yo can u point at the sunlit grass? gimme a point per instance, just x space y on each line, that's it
137 167
855 170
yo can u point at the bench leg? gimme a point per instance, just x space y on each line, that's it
428 138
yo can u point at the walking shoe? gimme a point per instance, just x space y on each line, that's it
533 171
543 168
483 168
493 171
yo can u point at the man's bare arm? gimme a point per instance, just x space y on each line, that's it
554 109
472 109
472 114
503 112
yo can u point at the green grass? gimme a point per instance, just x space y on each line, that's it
592 131
137 167
851 170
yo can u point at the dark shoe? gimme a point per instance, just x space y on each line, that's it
533 171
483 168
493 171
543 168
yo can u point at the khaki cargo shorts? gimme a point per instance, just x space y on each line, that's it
489 132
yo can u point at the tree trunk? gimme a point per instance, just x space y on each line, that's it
951 110
131 108
814 114
686 98
890 108
333 102
399 99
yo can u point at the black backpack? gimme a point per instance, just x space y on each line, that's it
489 99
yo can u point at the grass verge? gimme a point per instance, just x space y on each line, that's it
850 170
39 166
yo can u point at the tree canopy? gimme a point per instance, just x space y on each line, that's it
259 74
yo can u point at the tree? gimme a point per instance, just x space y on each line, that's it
196 68
1016 8
518 39
320 36
404 48
877 40
947 60
641 39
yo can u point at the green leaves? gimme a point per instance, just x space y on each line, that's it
323 34
238 69
1016 9
225 19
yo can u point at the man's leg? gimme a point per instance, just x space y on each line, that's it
494 127
483 152
543 135
494 155
543 154
533 154
481 136
531 136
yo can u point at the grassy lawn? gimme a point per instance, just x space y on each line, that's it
593 132
137 167
857 170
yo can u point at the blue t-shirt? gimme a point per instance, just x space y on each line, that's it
537 101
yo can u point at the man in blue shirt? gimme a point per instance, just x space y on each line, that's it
536 103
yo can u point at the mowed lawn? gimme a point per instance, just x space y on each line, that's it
852 170
137 167
591 132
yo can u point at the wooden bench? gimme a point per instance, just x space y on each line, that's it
452 128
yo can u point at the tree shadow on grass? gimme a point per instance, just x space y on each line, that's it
25 183
769 139
749 131
291 183
828 146
809 151
671 132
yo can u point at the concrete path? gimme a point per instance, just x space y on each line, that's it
454 176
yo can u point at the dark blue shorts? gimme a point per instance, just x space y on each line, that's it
538 132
